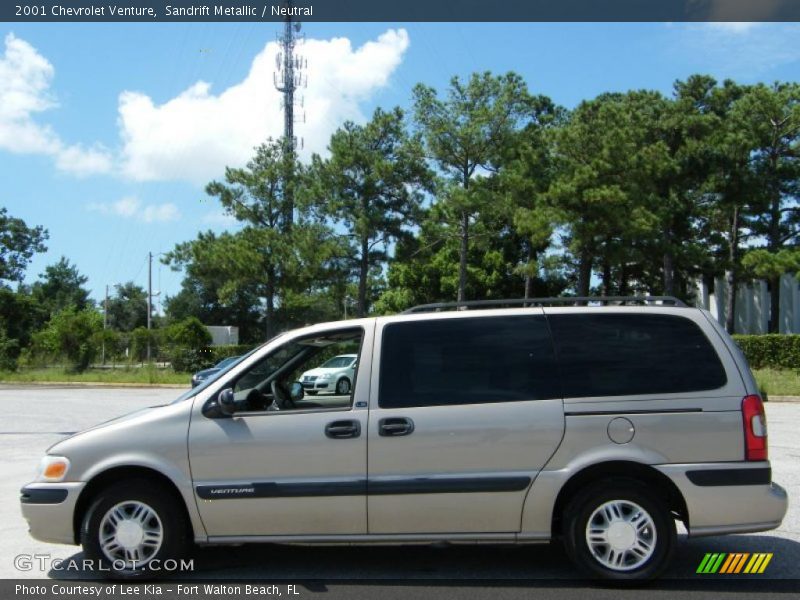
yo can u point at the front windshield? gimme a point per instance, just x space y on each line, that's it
338 362
191 393
225 362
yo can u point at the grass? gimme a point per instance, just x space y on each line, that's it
775 382
778 382
133 375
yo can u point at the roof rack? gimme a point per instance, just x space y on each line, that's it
565 300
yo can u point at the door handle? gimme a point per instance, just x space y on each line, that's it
339 430
395 426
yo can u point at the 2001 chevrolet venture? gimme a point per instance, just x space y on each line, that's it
598 425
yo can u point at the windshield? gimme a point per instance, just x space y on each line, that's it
191 393
337 362
225 362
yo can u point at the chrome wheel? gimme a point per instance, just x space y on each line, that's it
621 535
130 534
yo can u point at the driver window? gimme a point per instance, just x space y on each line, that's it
305 373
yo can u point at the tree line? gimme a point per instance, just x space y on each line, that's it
486 190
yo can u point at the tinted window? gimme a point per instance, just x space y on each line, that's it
466 361
620 355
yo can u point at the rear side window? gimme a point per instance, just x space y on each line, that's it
467 361
622 355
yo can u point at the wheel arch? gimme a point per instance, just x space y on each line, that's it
122 473
615 469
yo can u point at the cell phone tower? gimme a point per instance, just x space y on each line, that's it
289 77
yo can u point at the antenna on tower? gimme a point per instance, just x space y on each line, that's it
288 77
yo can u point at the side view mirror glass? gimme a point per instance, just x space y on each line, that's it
226 402
296 391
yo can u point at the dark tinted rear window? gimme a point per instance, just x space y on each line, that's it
467 361
620 355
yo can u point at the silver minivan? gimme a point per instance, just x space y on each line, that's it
598 425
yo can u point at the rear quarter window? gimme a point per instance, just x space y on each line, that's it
637 354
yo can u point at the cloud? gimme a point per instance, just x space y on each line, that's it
746 51
131 207
194 135
734 26
25 78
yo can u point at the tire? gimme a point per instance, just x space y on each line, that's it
144 508
343 386
633 530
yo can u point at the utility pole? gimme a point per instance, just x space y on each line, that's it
105 323
287 78
149 298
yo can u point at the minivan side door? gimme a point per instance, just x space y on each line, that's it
464 413
300 470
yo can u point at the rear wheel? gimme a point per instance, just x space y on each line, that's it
132 528
619 529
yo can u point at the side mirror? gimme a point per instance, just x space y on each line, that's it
226 402
296 391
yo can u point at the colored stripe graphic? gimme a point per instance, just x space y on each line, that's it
758 563
734 563
711 562
724 563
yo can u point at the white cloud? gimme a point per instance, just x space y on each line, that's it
743 51
740 27
194 135
131 207
25 77
219 219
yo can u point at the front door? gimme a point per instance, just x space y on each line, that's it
285 465
464 413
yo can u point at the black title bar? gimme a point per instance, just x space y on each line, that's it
399 10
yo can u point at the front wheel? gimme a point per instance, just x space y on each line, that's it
132 529
343 386
619 530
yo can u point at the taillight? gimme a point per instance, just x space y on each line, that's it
754 422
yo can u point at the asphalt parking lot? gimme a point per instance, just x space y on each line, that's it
36 417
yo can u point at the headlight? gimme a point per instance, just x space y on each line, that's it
324 378
53 468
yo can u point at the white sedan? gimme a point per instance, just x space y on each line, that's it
335 375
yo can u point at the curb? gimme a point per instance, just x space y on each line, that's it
771 398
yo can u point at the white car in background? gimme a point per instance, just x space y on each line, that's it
335 375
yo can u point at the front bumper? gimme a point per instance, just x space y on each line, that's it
728 497
49 509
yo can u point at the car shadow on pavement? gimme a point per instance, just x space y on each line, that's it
471 565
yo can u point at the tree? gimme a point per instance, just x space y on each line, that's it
289 265
213 289
372 184
598 192
731 188
771 116
189 333
60 286
464 134
528 169
127 308
71 334
18 244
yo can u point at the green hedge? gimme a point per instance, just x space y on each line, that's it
777 351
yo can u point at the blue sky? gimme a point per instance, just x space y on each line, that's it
108 132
